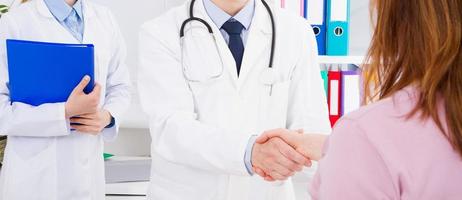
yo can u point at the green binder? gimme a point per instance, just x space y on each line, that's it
325 78
107 156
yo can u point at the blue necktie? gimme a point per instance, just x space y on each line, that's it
234 30
74 24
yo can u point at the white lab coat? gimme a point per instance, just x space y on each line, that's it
200 130
44 160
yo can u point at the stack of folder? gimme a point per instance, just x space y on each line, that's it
343 88
330 20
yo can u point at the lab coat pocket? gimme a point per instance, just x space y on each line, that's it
30 165
274 99
201 58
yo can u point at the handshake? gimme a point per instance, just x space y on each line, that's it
279 154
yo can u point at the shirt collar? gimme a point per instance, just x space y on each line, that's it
61 10
220 17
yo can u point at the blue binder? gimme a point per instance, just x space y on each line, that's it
316 15
47 72
338 30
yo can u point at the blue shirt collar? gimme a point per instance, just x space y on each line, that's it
220 17
61 10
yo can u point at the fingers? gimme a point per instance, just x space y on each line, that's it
83 83
94 99
96 90
83 121
292 155
281 170
308 163
87 116
293 149
270 134
269 179
259 171
92 130
280 173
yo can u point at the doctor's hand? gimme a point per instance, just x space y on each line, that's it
92 123
277 159
80 103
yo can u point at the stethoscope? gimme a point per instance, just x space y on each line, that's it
209 28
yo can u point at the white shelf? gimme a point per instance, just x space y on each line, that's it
127 189
341 59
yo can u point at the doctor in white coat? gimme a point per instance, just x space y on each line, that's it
44 159
208 96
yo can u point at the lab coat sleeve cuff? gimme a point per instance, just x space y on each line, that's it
248 154
49 118
112 109
110 134
65 123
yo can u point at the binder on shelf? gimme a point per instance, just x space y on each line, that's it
338 21
325 78
334 96
351 92
47 72
316 15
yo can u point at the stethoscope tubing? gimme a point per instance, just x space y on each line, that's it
209 28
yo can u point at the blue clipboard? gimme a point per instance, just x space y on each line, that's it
42 72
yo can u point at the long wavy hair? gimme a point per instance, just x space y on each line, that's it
418 43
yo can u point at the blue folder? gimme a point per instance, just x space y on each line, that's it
42 73
338 27
316 15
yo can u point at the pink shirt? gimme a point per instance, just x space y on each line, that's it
376 154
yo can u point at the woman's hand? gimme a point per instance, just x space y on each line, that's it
80 103
92 123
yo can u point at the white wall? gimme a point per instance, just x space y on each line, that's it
360 27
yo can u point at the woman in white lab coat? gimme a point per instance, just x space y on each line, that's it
44 159
202 113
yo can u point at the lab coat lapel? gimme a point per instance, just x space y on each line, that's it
258 43
90 36
61 32
228 59
88 13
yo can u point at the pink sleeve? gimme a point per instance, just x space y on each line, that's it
352 168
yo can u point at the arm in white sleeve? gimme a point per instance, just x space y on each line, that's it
118 94
19 119
177 135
